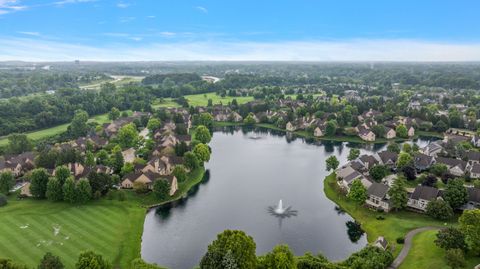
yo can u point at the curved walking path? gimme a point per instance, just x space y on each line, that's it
408 245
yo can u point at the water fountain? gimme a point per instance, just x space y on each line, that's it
280 211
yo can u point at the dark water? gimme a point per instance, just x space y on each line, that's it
248 172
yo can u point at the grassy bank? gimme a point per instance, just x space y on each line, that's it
110 227
426 255
395 224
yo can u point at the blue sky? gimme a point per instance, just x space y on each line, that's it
338 30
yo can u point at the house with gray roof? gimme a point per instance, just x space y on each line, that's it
378 197
422 161
421 196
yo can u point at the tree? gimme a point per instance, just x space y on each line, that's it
102 157
409 172
332 163
330 128
393 147
69 191
249 120
89 159
281 257
205 119
180 173
439 209
84 191
78 127
7 181
161 189
154 124
191 160
181 148
429 180
128 136
141 264
455 194
455 258
451 238
50 261
401 131
398 194
100 182
370 257
114 113
91 260
377 172
202 134
19 143
231 247
202 152
404 159
117 160
378 130
469 226
407 148
439 169
353 154
8 264
38 183
62 173
476 183
54 190
358 192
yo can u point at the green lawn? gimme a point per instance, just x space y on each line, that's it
202 99
426 255
395 224
49 132
165 102
112 228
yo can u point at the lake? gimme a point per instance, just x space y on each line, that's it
248 172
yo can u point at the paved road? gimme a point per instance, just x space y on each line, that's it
408 245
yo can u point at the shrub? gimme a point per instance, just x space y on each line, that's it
400 240
121 196
380 217
3 200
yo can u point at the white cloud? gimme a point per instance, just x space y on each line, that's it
30 49
65 2
202 9
151 17
167 34
8 6
29 33
123 5
126 19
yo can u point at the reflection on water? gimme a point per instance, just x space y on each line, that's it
354 231
244 175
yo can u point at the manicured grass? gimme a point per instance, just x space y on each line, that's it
111 228
49 132
426 255
395 224
165 102
202 99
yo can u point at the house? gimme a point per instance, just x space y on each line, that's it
432 149
346 175
18 164
25 190
389 133
78 170
368 161
475 141
319 131
455 167
455 139
473 157
411 131
422 161
473 199
148 178
366 134
381 242
378 197
128 155
387 158
421 196
475 170
235 117
415 105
